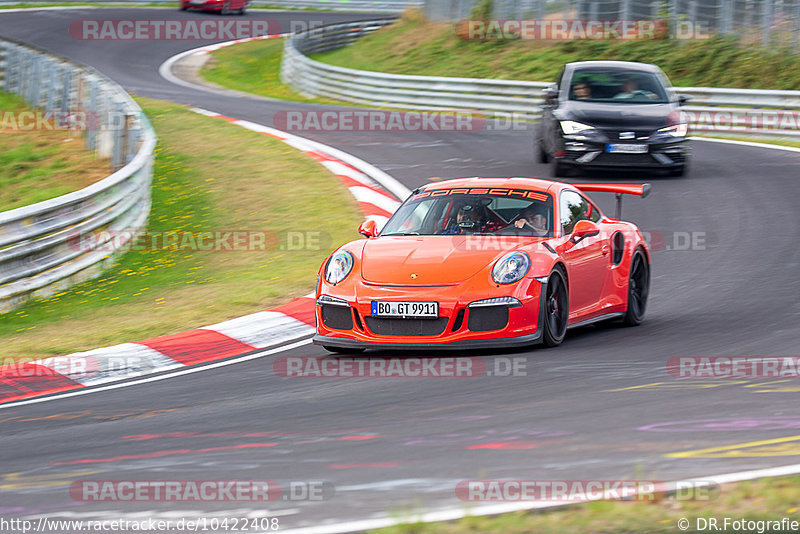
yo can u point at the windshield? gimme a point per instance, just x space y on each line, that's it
474 211
618 86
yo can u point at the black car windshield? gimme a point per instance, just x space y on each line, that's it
498 211
618 86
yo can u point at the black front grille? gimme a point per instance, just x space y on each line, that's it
338 317
487 318
609 158
383 326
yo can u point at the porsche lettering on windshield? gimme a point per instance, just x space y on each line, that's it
476 210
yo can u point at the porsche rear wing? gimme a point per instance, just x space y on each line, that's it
618 189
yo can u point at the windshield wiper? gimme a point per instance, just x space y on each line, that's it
401 233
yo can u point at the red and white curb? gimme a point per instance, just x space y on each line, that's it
292 321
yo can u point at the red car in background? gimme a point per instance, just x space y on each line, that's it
224 7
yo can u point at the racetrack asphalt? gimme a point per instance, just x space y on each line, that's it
601 406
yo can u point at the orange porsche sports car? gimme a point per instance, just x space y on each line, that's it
484 262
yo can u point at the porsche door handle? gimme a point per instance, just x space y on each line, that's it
606 249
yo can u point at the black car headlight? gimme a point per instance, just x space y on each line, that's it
676 130
573 127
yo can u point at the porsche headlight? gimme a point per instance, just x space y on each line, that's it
511 268
339 266
676 130
572 127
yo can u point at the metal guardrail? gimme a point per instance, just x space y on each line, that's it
41 252
314 78
520 98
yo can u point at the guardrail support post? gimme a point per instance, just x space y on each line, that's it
766 22
91 132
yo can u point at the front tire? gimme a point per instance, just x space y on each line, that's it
556 309
638 289
542 155
678 171
226 8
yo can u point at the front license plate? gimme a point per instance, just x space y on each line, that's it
627 149
382 308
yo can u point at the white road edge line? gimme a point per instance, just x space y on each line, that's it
387 181
189 370
449 514
457 513
746 143
391 184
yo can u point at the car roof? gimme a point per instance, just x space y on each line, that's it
620 65
535 184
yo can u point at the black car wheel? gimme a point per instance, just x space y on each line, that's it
556 309
226 8
558 169
678 171
544 157
638 289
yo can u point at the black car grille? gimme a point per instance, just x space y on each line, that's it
384 326
337 317
607 158
487 318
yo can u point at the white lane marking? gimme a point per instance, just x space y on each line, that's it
364 194
340 169
449 514
385 180
112 363
263 329
186 371
746 143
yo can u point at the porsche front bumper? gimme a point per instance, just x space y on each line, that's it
348 323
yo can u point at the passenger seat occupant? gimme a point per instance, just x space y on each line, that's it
534 219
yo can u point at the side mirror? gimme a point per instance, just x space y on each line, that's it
368 228
550 93
583 229
683 99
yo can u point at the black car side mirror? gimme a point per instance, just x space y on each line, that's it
550 93
683 99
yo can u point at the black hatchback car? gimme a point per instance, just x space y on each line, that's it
603 114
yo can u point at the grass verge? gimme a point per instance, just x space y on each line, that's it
38 164
209 176
416 46
767 499
253 67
